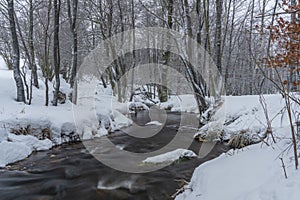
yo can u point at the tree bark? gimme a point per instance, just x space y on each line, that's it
16 53
164 88
56 57
31 47
133 46
72 14
218 35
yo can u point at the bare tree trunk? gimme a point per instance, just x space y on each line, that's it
218 35
292 87
251 77
31 47
72 14
56 57
207 25
122 65
230 50
261 39
133 46
46 52
16 53
191 73
200 21
164 88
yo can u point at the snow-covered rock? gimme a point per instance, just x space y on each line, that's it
32 142
156 123
137 106
120 120
181 103
171 156
11 152
68 128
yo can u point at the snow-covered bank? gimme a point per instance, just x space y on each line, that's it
254 172
245 114
18 147
38 127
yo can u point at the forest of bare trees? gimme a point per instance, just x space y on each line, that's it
54 36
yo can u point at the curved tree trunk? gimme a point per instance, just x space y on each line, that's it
16 52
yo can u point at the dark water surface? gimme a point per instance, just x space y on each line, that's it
69 172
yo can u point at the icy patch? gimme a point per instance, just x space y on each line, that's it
13 152
171 156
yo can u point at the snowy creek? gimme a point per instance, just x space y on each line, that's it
70 172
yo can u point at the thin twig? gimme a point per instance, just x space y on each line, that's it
283 166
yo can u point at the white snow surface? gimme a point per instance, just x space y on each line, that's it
245 113
254 172
181 103
170 156
2 64
32 142
3 134
59 120
11 152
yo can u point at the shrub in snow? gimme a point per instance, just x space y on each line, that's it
242 139
211 132
22 130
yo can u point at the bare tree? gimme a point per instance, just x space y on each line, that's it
72 15
56 56
218 35
16 52
31 45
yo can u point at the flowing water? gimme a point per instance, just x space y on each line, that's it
69 172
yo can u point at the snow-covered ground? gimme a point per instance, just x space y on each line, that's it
34 124
254 172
